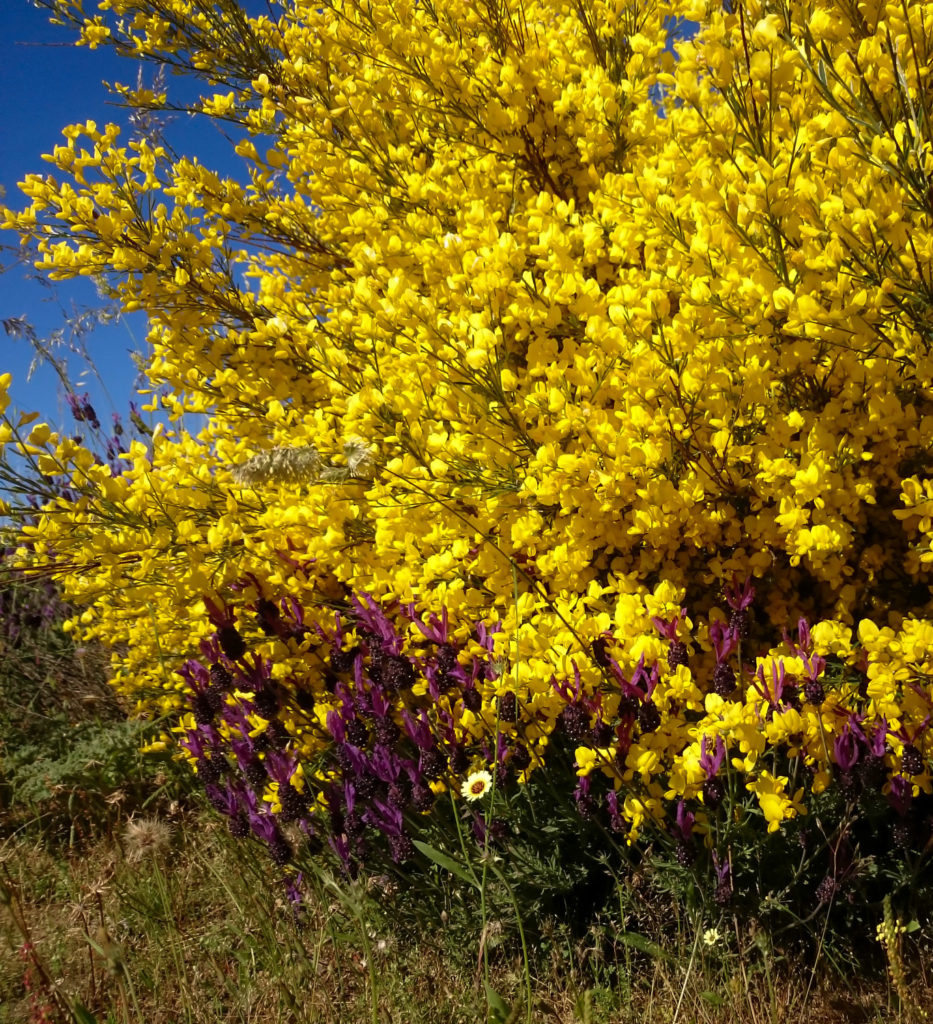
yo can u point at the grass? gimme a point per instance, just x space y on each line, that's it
172 921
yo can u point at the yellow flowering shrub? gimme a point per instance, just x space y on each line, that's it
511 311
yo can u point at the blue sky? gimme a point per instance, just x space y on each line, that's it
47 83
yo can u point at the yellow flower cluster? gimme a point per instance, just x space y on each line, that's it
512 311
833 708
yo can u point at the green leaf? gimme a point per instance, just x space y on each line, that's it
82 1014
453 866
713 998
643 945
912 926
583 1006
496 1003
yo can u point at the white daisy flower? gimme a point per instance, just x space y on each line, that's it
477 785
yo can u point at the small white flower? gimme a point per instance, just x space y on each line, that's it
711 937
477 785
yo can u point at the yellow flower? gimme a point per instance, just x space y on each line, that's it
775 804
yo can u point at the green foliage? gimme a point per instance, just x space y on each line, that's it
70 759
83 776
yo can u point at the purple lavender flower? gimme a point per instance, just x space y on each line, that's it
496 832
878 738
723 869
336 726
432 764
508 707
564 691
900 794
600 652
375 622
575 721
847 747
435 629
677 652
458 759
682 831
583 797
713 788
270 619
388 820
419 731
813 689
422 797
201 741
82 410
911 760
266 828
228 636
485 634
739 600
206 700
294 895
712 762
616 822
803 635
225 799
684 821
723 640
643 682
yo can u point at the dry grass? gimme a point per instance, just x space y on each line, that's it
167 923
